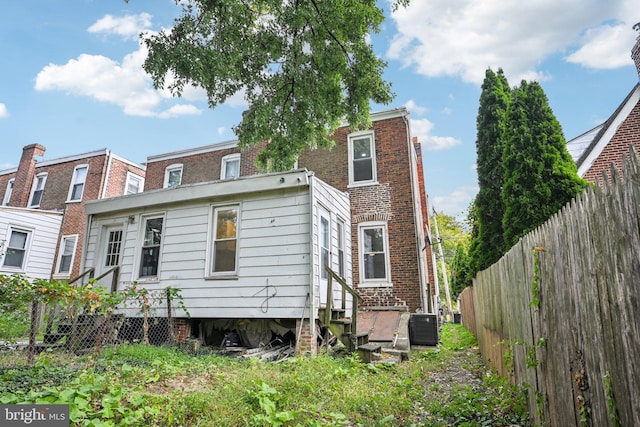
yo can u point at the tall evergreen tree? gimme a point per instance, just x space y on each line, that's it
539 174
460 271
488 245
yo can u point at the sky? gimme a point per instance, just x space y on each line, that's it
71 77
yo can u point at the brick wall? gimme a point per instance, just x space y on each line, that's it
307 342
627 135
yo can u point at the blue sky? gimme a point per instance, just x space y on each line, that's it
71 77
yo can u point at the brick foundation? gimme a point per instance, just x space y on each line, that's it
182 329
307 342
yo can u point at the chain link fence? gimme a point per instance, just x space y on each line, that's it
54 320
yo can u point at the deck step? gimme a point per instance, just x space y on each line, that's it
369 352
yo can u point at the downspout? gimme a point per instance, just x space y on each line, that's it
414 192
105 176
312 294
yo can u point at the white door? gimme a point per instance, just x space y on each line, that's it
110 255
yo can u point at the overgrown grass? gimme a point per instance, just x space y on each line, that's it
141 385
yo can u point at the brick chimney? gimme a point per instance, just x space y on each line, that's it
635 51
24 176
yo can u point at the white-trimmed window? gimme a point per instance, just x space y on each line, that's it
114 245
374 254
66 254
230 167
341 248
362 158
151 240
225 240
15 252
134 184
77 183
173 175
8 191
37 189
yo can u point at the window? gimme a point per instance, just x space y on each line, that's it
362 161
172 175
7 192
114 242
66 254
374 255
133 184
77 184
16 249
225 232
151 247
230 166
36 191
325 243
341 261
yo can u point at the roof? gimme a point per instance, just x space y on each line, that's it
586 148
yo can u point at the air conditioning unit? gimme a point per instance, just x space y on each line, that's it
423 329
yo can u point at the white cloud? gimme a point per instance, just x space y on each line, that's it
456 202
462 38
422 129
605 47
4 111
128 27
415 108
221 130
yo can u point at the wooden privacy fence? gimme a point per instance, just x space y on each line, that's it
560 312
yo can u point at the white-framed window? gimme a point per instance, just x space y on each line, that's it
114 246
374 254
362 158
66 254
341 248
224 251
325 244
173 175
15 252
151 241
230 167
77 183
8 191
134 184
37 189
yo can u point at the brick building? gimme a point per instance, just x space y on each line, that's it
381 169
64 185
597 149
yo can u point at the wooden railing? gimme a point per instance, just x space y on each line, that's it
345 289
91 272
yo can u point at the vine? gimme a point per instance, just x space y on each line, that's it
535 283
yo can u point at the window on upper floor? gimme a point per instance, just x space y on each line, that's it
37 189
362 158
15 252
7 192
374 253
225 237
77 183
66 254
134 184
151 240
230 168
172 175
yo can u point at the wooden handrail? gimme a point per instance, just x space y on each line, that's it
114 280
345 288
90 272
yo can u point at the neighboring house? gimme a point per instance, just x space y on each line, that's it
28 240
596 150
64 185
245 253
381 170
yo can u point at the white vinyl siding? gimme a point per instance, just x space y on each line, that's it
76 189
275 254
43 227
37 190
